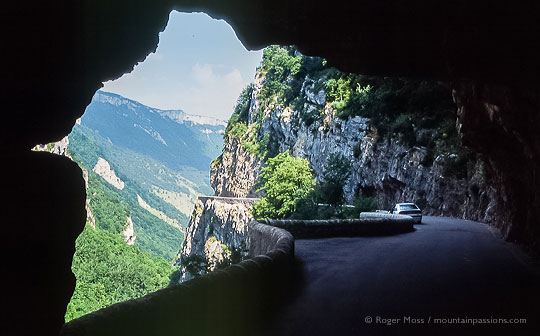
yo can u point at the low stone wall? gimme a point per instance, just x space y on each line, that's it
266 239
237 300
383 215
376 225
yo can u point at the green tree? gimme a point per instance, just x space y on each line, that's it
286 180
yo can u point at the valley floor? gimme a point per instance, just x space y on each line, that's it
446 269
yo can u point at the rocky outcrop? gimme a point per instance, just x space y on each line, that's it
90 218
103 169
58 148
234 173
129 232
217 254
217 235
61 147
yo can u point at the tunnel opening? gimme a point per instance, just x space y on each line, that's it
491 107
396 112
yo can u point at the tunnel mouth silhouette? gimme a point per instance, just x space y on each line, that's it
81 68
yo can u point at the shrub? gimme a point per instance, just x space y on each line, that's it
403 125
361 204
243 102
237 130
306 208
285 180
237 125
195 264
337 169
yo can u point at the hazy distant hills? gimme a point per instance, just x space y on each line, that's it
172 137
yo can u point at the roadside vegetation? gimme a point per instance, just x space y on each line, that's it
291 192
286 180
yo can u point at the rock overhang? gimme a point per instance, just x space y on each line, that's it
70 48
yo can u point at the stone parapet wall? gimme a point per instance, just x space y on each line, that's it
379 225
266 239
383 215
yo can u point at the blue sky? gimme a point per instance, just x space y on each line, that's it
200 67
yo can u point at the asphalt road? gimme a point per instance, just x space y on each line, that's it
445 269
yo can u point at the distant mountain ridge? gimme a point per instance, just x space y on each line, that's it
182 117
174 138
176 115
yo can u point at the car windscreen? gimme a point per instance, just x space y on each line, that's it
408 207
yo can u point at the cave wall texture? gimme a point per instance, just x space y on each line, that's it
57 54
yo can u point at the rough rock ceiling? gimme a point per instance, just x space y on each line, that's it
59 52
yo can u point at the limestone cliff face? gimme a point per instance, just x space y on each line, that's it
217 235
234 173
383 167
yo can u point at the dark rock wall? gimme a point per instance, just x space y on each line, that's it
58 53
43 212
502 124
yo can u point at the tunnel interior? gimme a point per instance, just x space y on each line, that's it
61 52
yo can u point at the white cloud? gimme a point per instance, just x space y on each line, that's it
203 75
212 93
234 77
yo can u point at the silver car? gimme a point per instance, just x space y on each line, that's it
409 209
